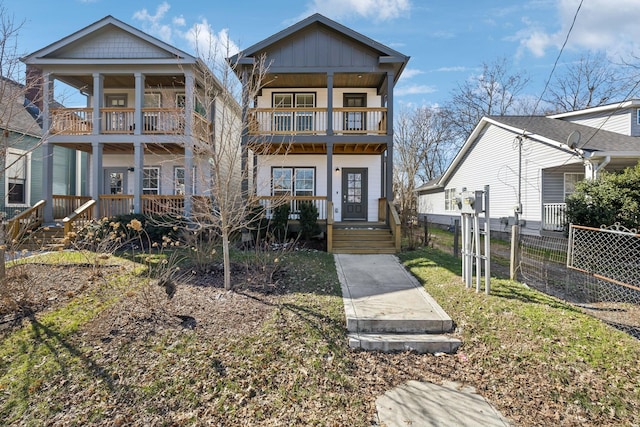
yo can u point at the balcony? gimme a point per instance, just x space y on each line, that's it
118 121
554 216
314 121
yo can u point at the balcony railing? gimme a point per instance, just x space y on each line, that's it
163 121
151 204
313 121
554 216
271 202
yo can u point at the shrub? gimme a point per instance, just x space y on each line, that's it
279 221
611 198
308 219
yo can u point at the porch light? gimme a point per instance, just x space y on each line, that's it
359 76
131 169
337 169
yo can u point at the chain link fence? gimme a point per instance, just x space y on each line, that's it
599 273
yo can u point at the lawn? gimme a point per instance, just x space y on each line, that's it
109 346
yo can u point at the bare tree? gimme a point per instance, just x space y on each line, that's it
591 81
20 132
229 205
495 91
424 142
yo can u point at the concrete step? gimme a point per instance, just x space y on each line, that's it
389 342
364 251
429 324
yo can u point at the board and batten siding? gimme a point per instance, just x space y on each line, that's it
493 160
319 162
317 47
618 121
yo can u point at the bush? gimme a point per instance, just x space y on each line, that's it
308 220
611 198
279 221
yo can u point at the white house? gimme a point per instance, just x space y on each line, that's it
532 163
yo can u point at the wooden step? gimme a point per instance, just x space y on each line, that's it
363 240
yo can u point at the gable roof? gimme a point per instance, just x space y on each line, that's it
14 112
73 47
385 53
594 142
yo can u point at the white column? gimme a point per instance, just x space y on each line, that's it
97 102
138 168
138 117
188 146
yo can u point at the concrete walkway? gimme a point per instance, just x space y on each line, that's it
388 310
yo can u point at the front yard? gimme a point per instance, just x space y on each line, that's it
113 345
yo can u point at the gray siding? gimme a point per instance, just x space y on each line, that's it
317 47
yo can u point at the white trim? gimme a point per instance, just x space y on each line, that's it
27 181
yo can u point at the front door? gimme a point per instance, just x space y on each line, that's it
115 181
354 194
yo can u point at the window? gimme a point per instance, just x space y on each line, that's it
293 182
16 177
151 180
293 120
152 100
450 199
355 120
638 113
181 100
570 181
178 180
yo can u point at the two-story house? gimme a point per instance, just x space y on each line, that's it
532 163
148 127
321 128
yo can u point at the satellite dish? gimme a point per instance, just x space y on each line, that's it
573 139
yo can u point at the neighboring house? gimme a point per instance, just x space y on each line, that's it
21 154
321 127
533 163
148 124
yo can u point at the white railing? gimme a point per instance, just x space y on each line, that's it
270 202
554 216
370 121
288 121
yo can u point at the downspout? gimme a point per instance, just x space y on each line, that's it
601 165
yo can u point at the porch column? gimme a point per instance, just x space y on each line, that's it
330 103
96 171
138 168
97 102
389 174
47 150
244 141
329 171
188 146
138 119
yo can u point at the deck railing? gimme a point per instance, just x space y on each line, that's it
28 220
63 205
554 216
151 204
79 217
313 121
271 202
163 121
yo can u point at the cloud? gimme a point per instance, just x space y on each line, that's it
600 25
153 25
410 72
414 90
208 44
457 69
376 10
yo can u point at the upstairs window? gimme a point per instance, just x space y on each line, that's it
295 118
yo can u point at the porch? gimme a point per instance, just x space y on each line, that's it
341 237
554 216
122 121
315 121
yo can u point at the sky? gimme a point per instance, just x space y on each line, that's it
447 40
